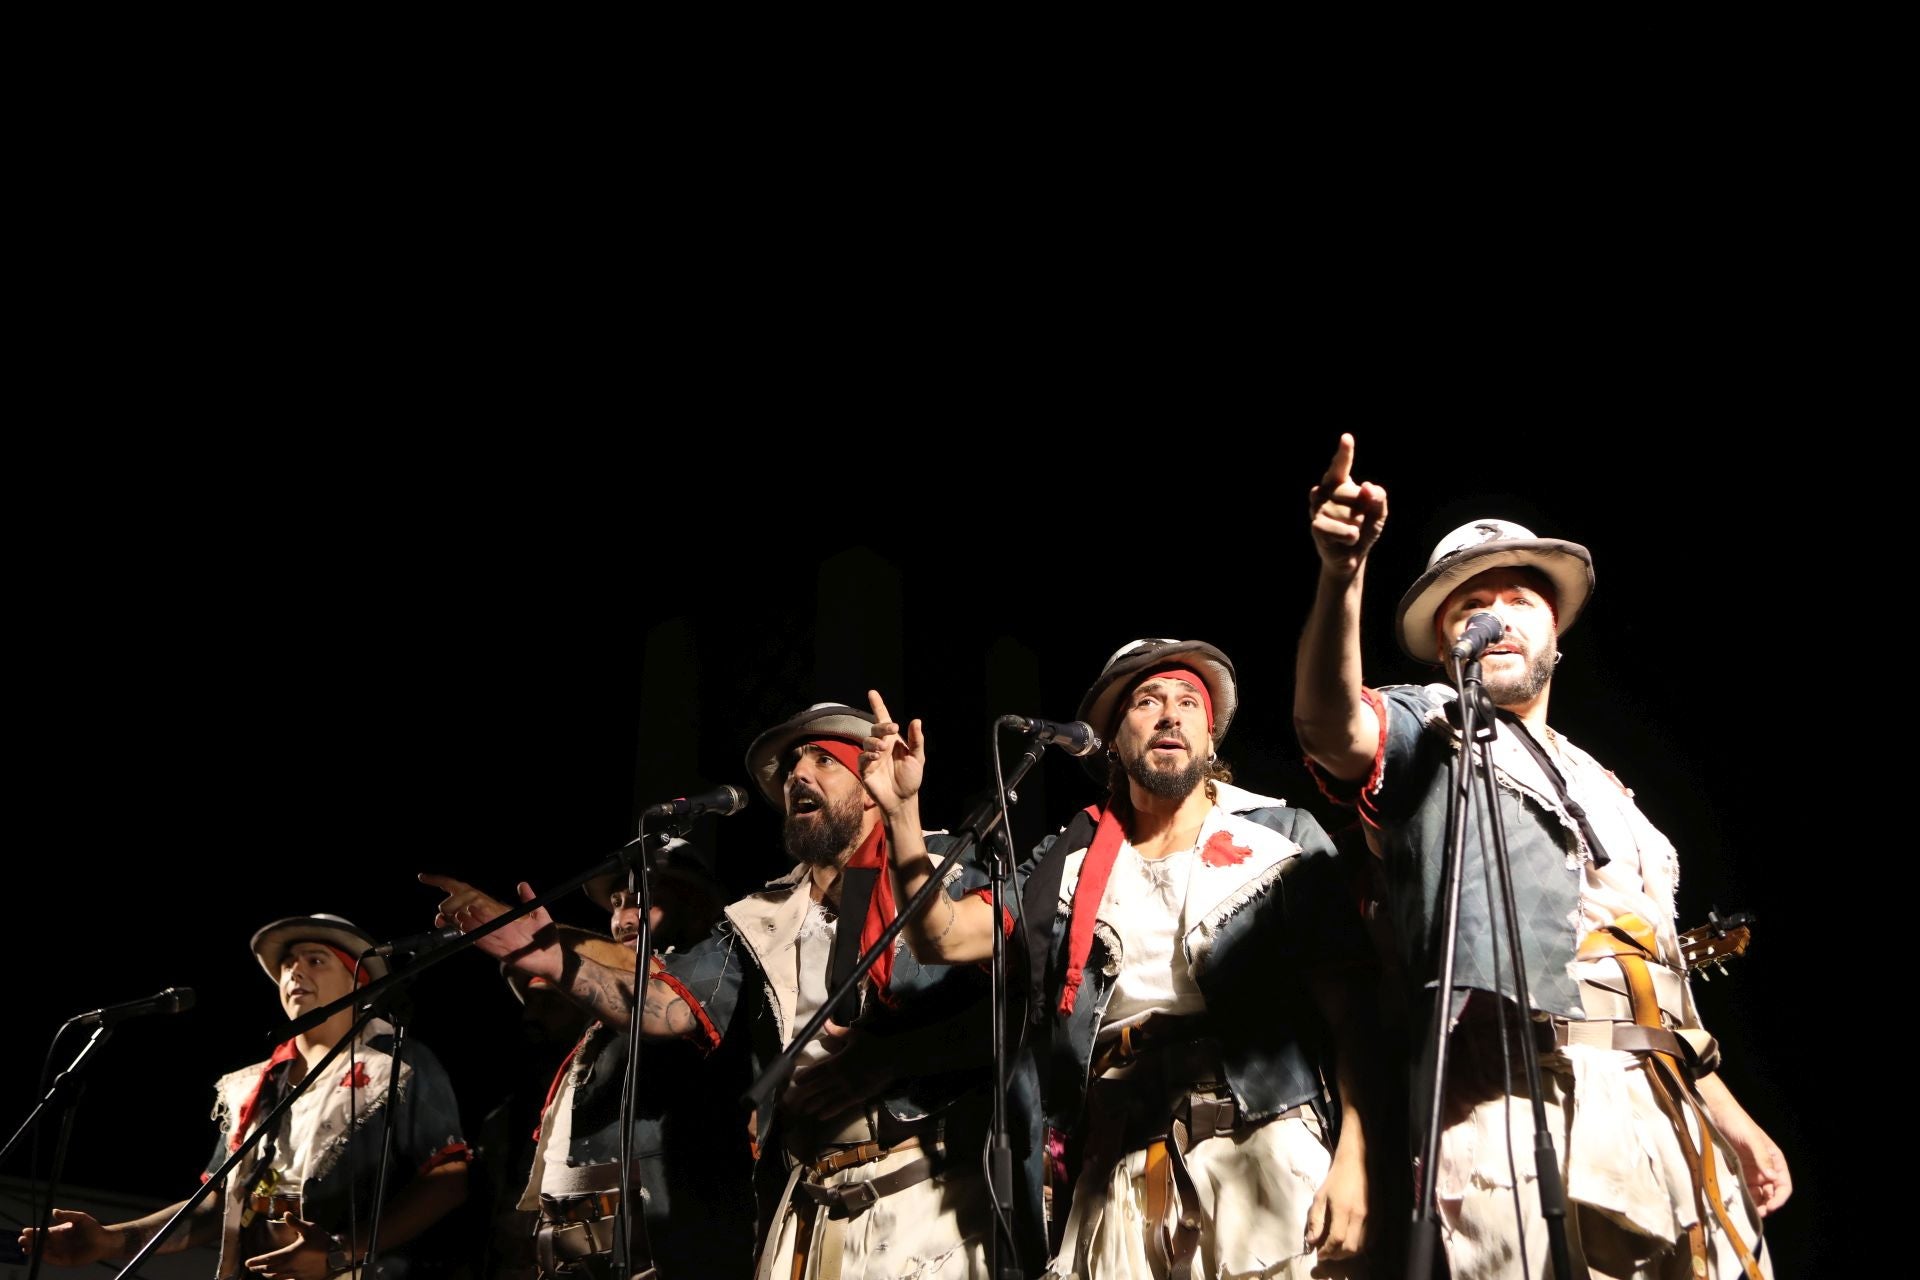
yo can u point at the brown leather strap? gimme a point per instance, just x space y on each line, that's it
860 1153
853 1198
1136 1038
1630 941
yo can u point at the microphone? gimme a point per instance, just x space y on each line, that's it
1076 738
1482 630
720 800
172 1000
414 943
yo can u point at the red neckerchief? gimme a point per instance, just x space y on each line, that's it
880 910
871 853
560 1075
1095 868
251 1107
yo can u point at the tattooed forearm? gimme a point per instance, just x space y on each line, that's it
667 1014
608 995
605 993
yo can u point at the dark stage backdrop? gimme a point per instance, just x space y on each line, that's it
291 695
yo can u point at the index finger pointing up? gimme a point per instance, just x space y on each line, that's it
879 705
1340 470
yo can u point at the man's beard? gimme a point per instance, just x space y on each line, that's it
820 840
1167 785
1518 688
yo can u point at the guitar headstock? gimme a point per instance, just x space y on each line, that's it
1718 940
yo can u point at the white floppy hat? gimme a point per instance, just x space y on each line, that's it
1474 548
766 758
1135 661
270 943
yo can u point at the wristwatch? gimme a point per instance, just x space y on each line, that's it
339 1258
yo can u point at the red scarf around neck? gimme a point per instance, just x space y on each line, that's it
880 908
1095 869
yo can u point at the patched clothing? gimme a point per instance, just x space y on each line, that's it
325 1150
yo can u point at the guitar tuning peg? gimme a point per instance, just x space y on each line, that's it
1704 975
1721 965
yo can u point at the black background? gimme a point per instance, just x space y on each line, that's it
257 683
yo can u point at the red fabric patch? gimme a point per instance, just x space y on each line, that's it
356 1078
1221 851
452 1153
985 892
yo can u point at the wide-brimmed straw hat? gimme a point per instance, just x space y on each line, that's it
271 941
767 757
1476 547
1138 659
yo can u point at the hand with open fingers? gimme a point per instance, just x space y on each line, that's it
304 1259
1337 1222
892 761
1347 515
530 943
855 1073
73 1240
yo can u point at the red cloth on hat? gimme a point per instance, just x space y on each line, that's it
1095 869
847 753
348 962
1192 678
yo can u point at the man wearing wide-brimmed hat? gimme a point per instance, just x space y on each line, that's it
697 1202
1621 1046
872 1164
289 1204
1189 948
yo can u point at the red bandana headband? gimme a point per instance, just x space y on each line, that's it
1192 678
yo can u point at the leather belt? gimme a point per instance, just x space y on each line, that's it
1557 1033
850 1199
859 1153
1157 1033
581 1208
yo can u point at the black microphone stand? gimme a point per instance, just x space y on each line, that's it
65 1096
396 1003
638 867
1477 727
987 819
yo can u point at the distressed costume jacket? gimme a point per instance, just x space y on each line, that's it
1250 929
742 980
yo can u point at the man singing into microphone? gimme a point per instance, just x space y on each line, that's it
1190 953
289 1206
872 1165
1627 1072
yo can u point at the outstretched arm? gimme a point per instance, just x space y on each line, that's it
75 1238
949 931
1336 725
535 945
1762 1164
